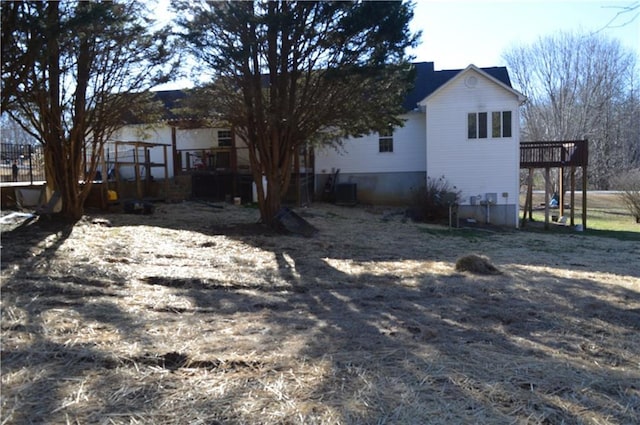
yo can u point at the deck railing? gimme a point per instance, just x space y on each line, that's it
572 153
21 163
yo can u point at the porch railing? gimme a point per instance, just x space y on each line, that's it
554 154
21 163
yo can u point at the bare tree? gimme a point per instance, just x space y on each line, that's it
69 71
581 86
626 14
288 73
13 133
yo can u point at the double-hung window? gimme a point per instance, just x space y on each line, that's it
477 125
501 124
385 140
224 138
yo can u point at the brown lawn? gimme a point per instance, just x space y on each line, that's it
197 315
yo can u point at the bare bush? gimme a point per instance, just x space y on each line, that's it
431 203
629 185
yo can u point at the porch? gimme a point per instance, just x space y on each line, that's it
558 155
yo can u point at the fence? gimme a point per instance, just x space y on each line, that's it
21 163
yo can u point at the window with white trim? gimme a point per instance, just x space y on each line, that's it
385 140
224 138
477 125
501 124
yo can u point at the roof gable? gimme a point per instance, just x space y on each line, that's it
428 81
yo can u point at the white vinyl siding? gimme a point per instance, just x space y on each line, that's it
192 139
362 155
476 168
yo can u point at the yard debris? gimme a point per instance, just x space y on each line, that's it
15 217
138 207
290 222
477 264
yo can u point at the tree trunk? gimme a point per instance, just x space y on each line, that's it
64 180
277 183
272 202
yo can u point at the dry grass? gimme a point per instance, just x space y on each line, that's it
196 315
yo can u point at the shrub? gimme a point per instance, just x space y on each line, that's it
629 185
431 203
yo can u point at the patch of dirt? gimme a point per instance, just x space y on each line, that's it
196 314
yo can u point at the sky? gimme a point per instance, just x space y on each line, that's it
456 33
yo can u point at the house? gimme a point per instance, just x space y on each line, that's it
204 159
460 125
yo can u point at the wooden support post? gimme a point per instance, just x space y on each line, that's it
116 169
147 172
136 162
527 197
584 197
166 173
104 185
561 192
573 195
174 152
546 197
530 194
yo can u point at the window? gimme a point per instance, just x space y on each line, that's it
496 124
472 121
501 124
506 124
224 138
385 141
477 125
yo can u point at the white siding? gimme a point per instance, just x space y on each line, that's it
141 133
193 139
474 166
144 133
361 155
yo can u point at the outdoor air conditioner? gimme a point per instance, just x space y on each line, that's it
346 194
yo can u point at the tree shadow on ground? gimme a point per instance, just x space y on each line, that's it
43 351
471 349
435 347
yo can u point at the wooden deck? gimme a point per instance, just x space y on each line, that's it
573 153
561 154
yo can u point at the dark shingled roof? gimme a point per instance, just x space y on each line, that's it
428 80
170 99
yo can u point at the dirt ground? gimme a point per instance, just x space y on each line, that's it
198 315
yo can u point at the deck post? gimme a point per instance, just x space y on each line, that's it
573 195
174 151
530 193
546 198
527 198
166 173
560 192
136 166
584 198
